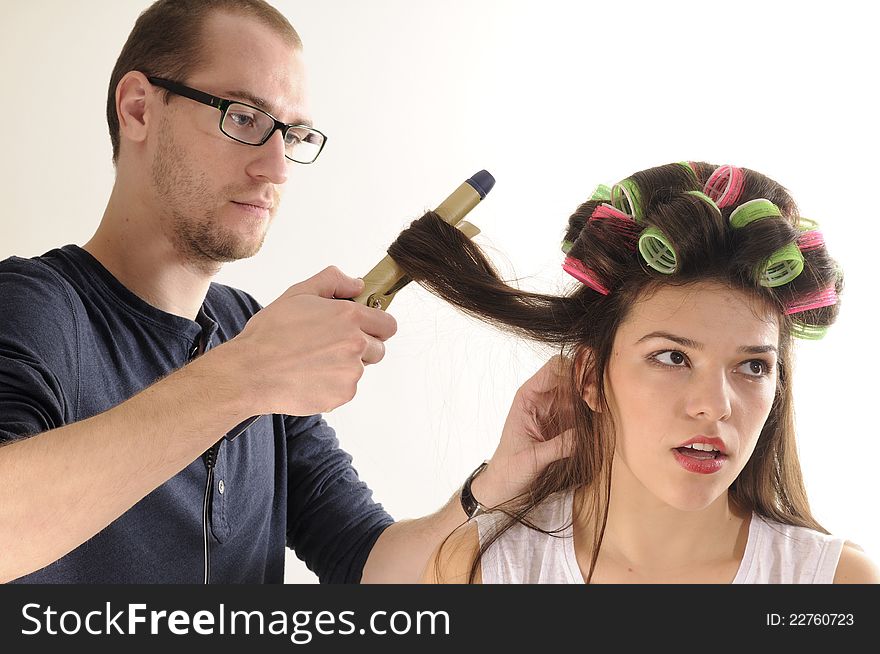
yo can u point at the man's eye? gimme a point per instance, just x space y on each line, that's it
241 120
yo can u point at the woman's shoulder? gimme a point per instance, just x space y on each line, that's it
854 567
452 562
795 554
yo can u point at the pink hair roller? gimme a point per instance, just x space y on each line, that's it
725 185
817 300
810 240
580 272
623 223
605 210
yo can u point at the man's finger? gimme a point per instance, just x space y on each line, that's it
329 283
377 323
374 352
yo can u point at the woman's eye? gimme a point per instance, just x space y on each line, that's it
670 358
755 368
674 359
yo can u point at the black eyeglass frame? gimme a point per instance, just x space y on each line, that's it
223 105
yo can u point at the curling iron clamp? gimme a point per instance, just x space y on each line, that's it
387 278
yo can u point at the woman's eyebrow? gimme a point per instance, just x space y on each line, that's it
687 342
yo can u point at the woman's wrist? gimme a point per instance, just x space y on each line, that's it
489 488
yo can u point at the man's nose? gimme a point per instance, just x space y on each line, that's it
270 164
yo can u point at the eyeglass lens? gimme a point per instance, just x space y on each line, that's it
250 125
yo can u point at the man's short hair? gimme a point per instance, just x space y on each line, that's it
166 42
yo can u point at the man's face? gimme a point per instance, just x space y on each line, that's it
217 197
696 362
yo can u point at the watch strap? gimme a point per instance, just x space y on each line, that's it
468 502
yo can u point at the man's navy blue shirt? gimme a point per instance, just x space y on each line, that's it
75 342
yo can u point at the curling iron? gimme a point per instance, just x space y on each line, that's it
386 278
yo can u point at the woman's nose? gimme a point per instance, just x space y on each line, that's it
709 396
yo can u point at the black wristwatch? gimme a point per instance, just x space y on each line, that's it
468 502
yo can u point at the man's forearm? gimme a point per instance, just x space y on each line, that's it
65 485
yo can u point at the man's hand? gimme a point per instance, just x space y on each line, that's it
306 351
538 431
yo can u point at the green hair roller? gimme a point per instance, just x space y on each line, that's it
783 266
749 212
808 332
601 194
705 198
566 246
657 251
807 224
687 166
625 197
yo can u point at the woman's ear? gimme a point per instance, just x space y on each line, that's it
586 373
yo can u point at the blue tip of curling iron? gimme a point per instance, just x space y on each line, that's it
482 183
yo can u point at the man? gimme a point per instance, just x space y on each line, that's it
122 366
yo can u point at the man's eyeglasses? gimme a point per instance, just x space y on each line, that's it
247 124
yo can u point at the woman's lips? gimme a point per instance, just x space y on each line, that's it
714 441
696 461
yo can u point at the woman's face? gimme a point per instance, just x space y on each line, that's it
695 366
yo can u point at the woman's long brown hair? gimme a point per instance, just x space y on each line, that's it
583 324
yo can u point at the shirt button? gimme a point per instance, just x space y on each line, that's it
221 487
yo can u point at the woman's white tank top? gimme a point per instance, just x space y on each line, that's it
775 553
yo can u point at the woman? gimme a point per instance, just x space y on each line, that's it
693 281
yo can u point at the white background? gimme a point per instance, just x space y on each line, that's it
552 97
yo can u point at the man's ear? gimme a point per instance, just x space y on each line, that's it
133 94
585 363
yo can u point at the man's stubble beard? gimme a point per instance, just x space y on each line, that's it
189 216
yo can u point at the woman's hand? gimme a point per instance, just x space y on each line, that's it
538 431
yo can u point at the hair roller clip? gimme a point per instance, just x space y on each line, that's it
783 266
625 196
657 251
749 212
808 332
577 269
725 185
825 298
566 246
705 198
601 194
